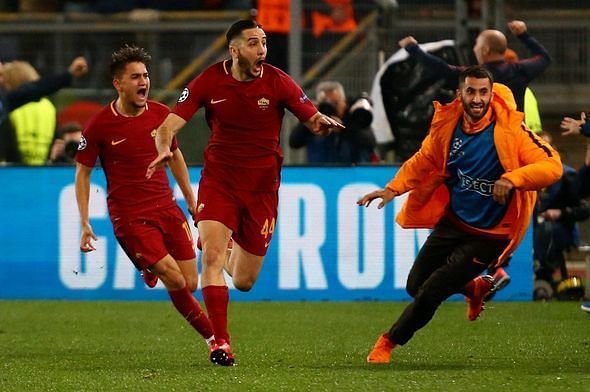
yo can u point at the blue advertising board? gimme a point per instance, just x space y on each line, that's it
325 247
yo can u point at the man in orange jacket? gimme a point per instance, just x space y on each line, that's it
474 181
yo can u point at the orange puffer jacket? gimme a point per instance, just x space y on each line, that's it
529 163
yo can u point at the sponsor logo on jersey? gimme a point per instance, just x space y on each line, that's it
214 101
184 95
201 207
480 185
303 98
115 142
153 133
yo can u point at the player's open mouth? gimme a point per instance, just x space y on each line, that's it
142 92
258 65
476 108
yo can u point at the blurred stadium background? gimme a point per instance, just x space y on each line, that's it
185 42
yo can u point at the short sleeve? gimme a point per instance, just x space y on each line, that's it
295 99
88 147
191 98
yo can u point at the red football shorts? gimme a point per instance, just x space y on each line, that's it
251 216
148 237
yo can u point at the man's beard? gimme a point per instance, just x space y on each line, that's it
467 108
245 66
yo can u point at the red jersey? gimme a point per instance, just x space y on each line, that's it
245 119
126 147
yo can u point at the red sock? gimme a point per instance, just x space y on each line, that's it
189 307
216 300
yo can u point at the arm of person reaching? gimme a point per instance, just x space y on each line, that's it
571 126
36 90
82 197
179 170
535 65
541 164
409 176
322 125
431 62
164 134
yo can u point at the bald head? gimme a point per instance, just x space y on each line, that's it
490 45
496 40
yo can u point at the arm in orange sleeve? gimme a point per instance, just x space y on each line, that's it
541 164
422 164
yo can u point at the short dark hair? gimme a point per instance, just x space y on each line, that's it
475 71
125 55
237 28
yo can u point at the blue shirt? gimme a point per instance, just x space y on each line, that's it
474 167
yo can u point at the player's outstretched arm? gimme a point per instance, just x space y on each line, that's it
386 195
82 196
179 170
164 134
323 125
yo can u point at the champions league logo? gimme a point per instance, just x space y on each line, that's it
455 147
83 143
183 95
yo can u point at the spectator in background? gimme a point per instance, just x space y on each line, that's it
26 137
489 49
339 18
65 145
559 208
572 126
354 144
532 118
326 22
34 91
275 17
31 128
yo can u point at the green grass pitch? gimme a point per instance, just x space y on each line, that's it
146 346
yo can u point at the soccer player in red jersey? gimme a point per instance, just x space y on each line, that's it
148 224
244 100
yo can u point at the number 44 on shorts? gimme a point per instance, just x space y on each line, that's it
267 229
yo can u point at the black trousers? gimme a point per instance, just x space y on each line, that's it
449 259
